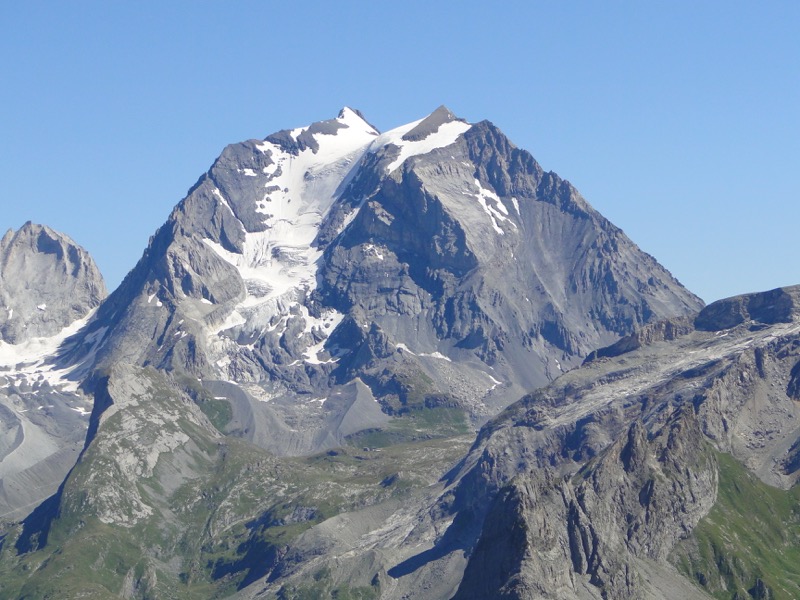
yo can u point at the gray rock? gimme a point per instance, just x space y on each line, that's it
47 282
776 306
430 124
584 488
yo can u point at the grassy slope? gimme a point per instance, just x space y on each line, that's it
222 529
750 541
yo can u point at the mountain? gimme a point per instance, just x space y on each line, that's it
664 467
329 277
49 287
304 349
650 473
47 282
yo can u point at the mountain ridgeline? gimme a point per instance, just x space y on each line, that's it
280 399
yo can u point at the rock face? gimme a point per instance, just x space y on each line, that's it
595 486
47 282
435 265
619 456
48 288
583 535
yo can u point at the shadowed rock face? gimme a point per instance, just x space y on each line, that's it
47 282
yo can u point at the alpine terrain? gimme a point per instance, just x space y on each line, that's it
49 287
284 392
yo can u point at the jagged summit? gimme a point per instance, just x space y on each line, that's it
47 282
431 124
49 287
337 136
347 110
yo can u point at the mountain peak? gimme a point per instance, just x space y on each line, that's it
349 121
348 115
354 118
47 282
431 124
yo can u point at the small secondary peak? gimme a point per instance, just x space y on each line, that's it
352 117
431 124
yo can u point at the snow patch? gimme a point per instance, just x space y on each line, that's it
326 325
224 203
31 361
492 206
495 382
234 319
446 135
438 355
373 250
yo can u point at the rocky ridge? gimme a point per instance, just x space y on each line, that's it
595 486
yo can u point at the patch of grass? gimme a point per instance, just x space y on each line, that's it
219 412
321 586
416 425
213 513
749 544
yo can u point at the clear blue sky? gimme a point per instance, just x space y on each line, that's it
679 121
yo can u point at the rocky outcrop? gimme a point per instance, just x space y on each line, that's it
551 537
588 487
47 282
597 478
666 330
776 306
